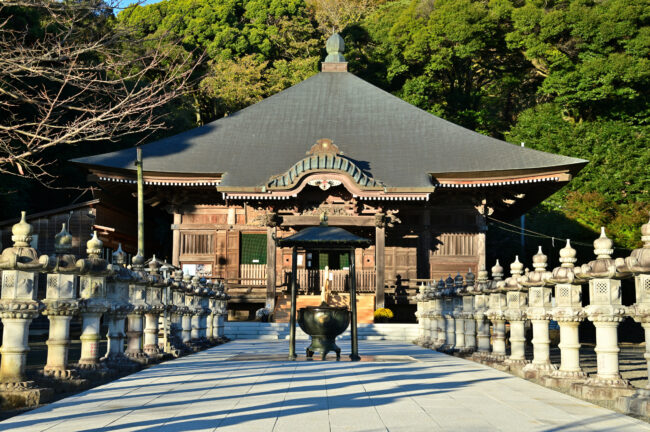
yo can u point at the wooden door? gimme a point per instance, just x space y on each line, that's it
232 255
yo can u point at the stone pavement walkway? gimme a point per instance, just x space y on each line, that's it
433 391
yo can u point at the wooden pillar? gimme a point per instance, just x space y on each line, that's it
380 265
294 294
270 268
480 249
424 270
176 241
354 355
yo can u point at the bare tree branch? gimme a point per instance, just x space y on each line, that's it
75 84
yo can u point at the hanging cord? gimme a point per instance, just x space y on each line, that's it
535 234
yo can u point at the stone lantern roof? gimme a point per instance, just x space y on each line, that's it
539 276
62 261
22 256
516 270
565 273
639 259
604 266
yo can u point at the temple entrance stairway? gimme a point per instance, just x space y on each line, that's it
275 331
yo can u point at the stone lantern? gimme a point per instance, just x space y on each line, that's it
539 313
137 298
222 310
448 311
188 311
421 300
458 313
606 311
203 311
496 313
438 315
481 303
156 307
568 313
212 307
468 312
168 305
61 304
638 264
93 304
117 294
20 266
178 300
517 302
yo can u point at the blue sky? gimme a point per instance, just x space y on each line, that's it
125 3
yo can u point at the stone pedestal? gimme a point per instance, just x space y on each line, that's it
496 314
221 325
134 338
570 371
14 350
208 327
90 338
459 319
450 336
607 383
541 364
499 340
186 322
517 301
517 360
58 344
470 324
481 302
426 325
482 335
151 348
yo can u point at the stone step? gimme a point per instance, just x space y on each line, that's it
270 331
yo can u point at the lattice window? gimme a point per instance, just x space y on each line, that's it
197 244
564 292
253 249
602 287
513 298
537 296
646 284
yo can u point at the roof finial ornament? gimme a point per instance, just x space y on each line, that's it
335 47
335 62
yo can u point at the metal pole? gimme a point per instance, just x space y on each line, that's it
354 356
292 318
138 164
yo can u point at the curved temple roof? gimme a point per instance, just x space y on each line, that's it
388 139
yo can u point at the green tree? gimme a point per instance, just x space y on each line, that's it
451 58
613 190
593 55
270 44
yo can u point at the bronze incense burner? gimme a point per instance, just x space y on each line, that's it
323 323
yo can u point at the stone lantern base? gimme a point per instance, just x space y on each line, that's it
564 379
638 403
23 395
516 366
596 388
538 371
63 380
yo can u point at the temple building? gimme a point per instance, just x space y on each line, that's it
420 187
